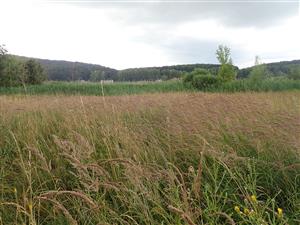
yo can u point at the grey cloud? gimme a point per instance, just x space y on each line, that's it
158 19
232 13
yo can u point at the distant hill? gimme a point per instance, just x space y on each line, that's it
277 68
60 70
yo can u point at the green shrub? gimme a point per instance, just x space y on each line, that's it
11 71
294 73
34 72
201 79
205 81
227 72
14 72
187 78
259 73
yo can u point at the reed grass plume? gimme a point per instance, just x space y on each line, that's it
177 158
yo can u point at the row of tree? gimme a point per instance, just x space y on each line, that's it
15 72
72 71
225 70
153 73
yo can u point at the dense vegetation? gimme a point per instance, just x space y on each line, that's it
177 158
260 78
246 85
89 88
152 159
71 71
14 72
127 88
162 73
57 70
202 79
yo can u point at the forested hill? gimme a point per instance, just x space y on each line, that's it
61 70
282 68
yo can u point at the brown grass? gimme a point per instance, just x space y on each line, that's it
120 160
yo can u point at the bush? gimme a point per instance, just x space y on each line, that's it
14 72
11 71
205 81
34 73
201 79
259 73
227 72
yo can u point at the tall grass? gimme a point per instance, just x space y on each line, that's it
88 88
244 85
123 88
150 159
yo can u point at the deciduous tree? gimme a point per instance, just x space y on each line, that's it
34 72
227 71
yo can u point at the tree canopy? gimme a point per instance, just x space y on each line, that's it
14 72
227 71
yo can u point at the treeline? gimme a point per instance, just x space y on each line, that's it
162 73
74 71
288 69
15 72
58 70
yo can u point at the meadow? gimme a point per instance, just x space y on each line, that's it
96 88
131 88
172 158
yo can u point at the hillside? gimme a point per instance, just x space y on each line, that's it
60 70
277 68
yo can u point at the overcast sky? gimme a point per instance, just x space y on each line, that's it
124 34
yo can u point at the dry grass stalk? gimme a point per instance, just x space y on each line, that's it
197 180
58 205
136 142
84 197
183 215
42 160
226 216
119 160
184 192
17 206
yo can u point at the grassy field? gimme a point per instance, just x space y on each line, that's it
127 88
244 85
178 158
96 89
